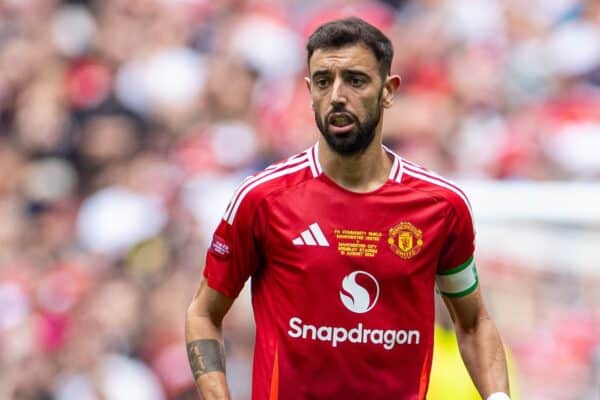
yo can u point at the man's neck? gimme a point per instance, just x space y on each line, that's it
362 172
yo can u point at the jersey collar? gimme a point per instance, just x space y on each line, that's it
313 159
316 169
397 166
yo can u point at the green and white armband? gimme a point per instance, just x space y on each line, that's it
459 281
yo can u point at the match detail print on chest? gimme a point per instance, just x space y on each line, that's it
404 240
357 242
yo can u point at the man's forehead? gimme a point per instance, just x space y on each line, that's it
354 56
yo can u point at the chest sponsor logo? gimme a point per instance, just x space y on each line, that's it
360 292
405 240
335 335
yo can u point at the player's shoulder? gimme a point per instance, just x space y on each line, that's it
282 174
434 184
276 177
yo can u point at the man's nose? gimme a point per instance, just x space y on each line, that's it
338 95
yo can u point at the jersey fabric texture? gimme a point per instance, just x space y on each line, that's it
342 282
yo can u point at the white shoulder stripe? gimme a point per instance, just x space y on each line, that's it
290 160
440 179
255 183
422 176
419 168
425 171
269 170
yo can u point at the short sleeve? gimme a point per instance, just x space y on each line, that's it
456 274
233 255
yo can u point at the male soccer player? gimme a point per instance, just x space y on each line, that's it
344 243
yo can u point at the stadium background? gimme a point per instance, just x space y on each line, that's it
126 124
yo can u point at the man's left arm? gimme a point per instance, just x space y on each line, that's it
480 344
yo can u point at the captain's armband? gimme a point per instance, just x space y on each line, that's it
459 281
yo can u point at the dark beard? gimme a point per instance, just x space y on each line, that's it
353 142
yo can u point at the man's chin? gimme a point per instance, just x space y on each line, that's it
348 136
344 143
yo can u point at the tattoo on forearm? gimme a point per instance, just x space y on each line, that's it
206 355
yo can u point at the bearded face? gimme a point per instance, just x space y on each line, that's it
347 89
345 132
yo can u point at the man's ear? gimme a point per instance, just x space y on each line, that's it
391 85
307 81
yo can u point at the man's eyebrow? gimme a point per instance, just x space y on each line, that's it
356 72
320 72
345 72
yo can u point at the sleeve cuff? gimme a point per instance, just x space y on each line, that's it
498 396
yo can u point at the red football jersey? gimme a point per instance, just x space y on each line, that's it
343 282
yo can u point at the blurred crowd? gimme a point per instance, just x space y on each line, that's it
126 124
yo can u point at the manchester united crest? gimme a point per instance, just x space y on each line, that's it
405 240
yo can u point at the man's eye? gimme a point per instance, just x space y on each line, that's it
357 82
322 82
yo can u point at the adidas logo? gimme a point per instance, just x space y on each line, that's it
313 236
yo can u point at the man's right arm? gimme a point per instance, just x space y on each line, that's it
205 341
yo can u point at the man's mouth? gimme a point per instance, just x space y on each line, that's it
341 123
341 119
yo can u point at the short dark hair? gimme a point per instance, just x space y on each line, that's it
349 31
